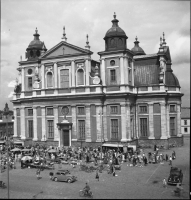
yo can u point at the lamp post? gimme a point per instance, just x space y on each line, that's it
6 112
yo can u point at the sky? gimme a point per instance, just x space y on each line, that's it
146 19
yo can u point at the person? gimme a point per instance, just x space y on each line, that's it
38 173
86 189
170 160
164 183
97 175
178 189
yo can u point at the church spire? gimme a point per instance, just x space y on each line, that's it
64 35
115 21
87 43
164 43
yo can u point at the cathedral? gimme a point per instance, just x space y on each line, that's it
65 98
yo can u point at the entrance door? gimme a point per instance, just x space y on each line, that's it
66 138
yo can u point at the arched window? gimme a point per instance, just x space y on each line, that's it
49 79
80 77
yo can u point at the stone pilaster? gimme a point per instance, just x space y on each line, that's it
42 76
167 121
87 72
124 122
125 65
15 123
137 122
98 120
88 133
73 73
35 137
103 71
132 64
151 119
104 127
44 136
74 127
121 70
23 129
163 122
178 120
56 134
128 121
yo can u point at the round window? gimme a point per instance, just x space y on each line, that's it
112 62
29 71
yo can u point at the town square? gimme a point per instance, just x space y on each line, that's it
95 99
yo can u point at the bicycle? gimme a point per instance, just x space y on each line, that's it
83 194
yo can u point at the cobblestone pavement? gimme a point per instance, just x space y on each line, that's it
131 182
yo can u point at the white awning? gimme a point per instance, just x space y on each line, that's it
19 142
112 145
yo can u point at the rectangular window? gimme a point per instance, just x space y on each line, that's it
112 75
172 108
185 130
114 129
185 122
81 129
30 83
64 78
30 128
50 128
143 127
130 78
81 111
143 109
30 112
49 79
172 126
113 109
49 111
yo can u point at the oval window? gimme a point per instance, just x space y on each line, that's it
112 62
120 42
112 42
29 71
31 53
38 53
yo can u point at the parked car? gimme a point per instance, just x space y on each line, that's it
62 175
176 176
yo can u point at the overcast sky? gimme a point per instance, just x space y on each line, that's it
145 19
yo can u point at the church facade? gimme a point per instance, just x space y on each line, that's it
65 98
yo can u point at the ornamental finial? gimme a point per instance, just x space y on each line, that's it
87 43
164 43
64 35
114 15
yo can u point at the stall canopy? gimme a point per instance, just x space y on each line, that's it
112 145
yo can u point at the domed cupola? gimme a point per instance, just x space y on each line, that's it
36 48
137 50
115 38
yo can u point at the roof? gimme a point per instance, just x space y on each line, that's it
171 79
137 50
145 56
185 112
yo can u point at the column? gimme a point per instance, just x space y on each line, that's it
87 75
121 70
73 73
56 134
125 63
124 122
132 66
42 80
137 122
74 126
178 121
55 78
35 137
128 121
15 122
167 121
163 122
22 118
103 71
98 122
43 124
104 127
88 133
151 125
23 79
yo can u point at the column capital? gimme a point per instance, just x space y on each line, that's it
102 59
87 59
34 107
79 60
123 104
120 57
150 103
55 106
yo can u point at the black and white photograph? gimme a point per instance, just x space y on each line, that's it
95 99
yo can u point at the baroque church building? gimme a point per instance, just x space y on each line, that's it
65 98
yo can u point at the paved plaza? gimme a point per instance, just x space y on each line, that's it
131 182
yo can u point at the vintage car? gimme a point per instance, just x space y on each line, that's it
176 176
62 175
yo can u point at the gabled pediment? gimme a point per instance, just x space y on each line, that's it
64 48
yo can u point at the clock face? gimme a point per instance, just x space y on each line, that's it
65 110
96 80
